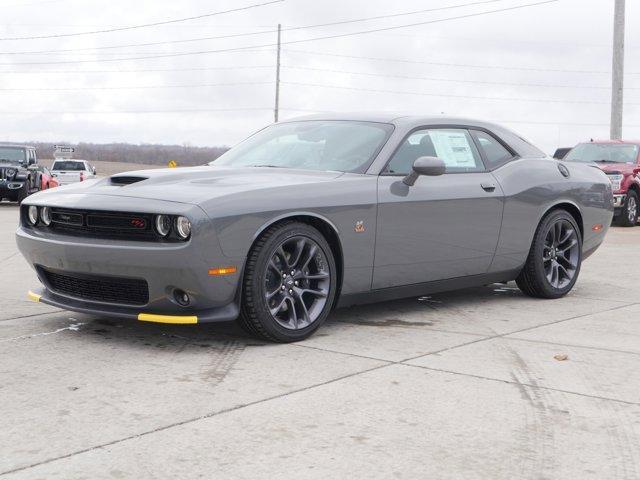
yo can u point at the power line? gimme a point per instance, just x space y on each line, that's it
402 92
290 42
134 87
578 124
142 70
118 112
262 32
447 64
449 80
155 24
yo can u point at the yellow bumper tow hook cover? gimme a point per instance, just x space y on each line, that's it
177 319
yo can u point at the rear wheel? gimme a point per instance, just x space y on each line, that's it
555 257
289 283
629 215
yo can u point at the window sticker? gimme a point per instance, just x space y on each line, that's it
453 148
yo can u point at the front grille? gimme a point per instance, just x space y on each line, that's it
100 224
129 291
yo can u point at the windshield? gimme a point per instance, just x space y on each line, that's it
13 155
604 153
312 145
68 166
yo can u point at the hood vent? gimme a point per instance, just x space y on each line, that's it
126 180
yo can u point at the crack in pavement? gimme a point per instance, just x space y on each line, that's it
74 327
190 420
386 363
31 315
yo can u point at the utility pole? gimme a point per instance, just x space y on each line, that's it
617 93
277 107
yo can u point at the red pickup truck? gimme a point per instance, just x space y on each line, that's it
620 160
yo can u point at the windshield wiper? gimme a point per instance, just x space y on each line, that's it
268 166
606 161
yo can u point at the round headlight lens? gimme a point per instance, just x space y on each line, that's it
45 215
183 226
163 225
11 172
32 214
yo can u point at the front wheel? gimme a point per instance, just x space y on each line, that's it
629 215
289 283
554 261
24 192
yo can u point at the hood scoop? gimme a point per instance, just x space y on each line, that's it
123 180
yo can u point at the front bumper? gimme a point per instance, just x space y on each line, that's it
619 200
164 266
221 314
10 188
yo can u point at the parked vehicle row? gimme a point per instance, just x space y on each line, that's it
314 213
21 175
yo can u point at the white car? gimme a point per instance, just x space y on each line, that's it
72 171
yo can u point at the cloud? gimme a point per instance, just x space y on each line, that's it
505 53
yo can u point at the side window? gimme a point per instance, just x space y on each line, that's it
493 150
453 146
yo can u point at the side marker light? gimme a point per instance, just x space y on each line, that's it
222 271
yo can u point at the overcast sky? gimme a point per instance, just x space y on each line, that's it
540 70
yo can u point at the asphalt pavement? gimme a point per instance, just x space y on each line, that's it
483 383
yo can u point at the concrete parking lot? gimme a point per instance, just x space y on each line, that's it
478 384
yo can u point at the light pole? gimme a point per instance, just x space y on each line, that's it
277 106
617 90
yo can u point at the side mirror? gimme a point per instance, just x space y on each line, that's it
429 166
94 170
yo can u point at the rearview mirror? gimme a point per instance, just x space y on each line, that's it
429 166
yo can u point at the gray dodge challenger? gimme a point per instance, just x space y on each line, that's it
316 213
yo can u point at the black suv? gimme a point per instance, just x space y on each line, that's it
19 176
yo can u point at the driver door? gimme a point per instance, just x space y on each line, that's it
442 227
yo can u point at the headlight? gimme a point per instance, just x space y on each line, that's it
163 225
183 226
32 214
45 215
11 172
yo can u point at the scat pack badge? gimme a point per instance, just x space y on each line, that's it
360 228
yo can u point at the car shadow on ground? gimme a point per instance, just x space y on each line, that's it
411 312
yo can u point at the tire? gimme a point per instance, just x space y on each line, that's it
629 215
269 285
553 264
24 192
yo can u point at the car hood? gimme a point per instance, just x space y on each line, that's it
195 185
624 168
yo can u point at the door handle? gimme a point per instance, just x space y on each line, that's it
488 187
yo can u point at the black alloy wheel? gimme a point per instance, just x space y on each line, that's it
630 211
289 283
561 256
553 265
297 282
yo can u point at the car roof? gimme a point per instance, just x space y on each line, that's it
408 123
396 119
612 142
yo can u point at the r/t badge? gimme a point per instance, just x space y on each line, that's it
360 228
